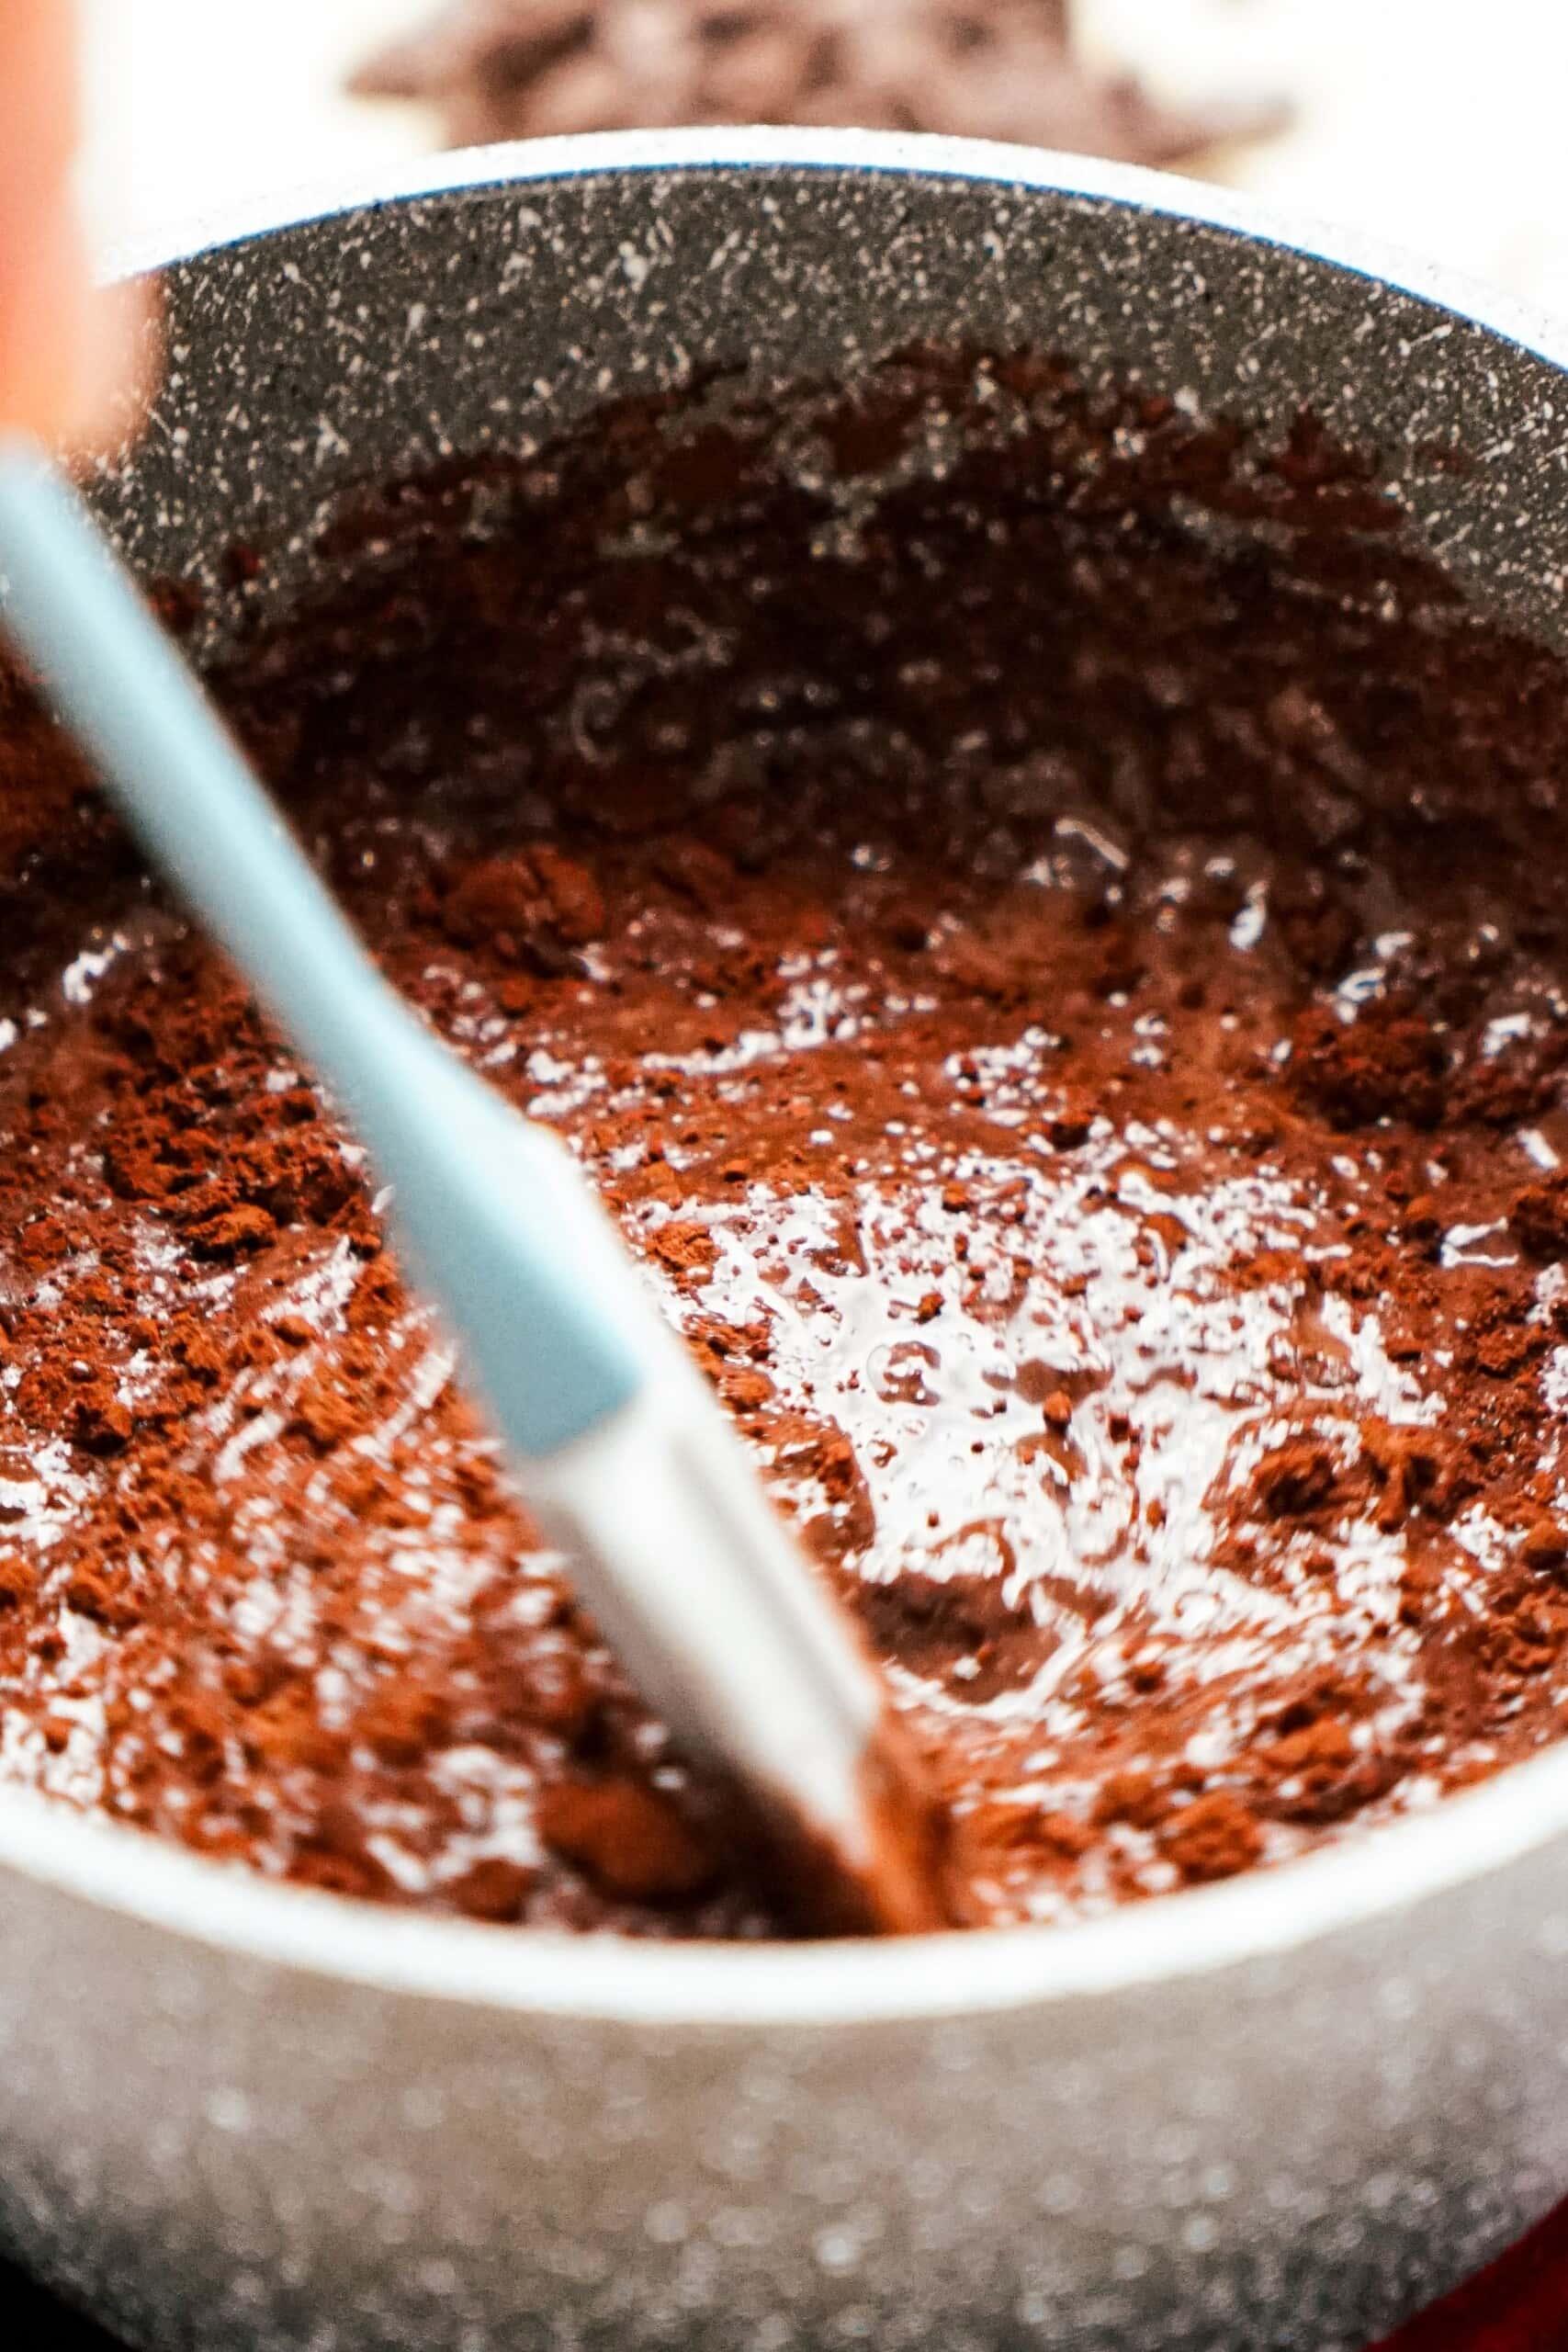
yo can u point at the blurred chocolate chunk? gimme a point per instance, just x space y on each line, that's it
983 69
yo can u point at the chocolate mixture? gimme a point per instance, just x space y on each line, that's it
1048 929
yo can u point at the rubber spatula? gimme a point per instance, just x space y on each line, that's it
625 1460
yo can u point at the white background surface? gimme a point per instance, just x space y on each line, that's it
1438 122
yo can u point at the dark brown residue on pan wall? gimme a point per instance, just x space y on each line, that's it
1048 929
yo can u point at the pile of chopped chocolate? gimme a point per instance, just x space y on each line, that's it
979 69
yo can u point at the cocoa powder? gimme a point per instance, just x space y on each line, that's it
1062 988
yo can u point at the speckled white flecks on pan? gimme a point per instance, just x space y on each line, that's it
1280 2113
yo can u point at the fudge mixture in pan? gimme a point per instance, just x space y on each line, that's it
1048 927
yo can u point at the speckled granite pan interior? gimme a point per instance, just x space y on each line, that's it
1282 2112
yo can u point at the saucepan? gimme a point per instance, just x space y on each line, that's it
1280 2112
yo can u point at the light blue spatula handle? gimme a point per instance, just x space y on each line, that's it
500 1224
630 1463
